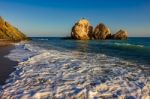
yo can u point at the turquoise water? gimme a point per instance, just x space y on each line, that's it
55 67
136 49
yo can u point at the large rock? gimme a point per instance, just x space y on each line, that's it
101 32
120 35
9 32
82 30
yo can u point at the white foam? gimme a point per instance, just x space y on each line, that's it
43 39
45 73
128 44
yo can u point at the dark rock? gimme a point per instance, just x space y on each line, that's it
120 35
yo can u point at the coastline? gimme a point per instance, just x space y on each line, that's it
4 43
6 65
72 74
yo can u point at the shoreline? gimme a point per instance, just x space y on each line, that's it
6 65
54 73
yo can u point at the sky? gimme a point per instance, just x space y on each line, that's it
55 18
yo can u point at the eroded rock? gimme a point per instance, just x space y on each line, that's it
82 30
101 32
120 35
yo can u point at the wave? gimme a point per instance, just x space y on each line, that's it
43 73
128 45
140 49
43 39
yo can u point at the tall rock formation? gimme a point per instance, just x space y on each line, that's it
120 35
9 32
101 32
82 30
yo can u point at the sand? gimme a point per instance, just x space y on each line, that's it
6 65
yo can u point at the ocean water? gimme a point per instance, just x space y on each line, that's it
58 68
136 49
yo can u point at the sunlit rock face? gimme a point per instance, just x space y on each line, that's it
9 32
120 35
101 32
82 30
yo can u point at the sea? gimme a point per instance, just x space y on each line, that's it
136 49
54 67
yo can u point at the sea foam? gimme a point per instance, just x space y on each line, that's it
43 74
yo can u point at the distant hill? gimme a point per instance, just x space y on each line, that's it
9 32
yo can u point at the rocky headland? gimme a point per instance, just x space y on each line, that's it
83 30
10 33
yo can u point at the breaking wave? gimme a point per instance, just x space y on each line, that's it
128 44
43 73
43 39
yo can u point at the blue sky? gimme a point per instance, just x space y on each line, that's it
56 17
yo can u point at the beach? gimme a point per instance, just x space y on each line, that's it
6 65
56 68
74 49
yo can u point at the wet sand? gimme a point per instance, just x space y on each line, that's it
6 65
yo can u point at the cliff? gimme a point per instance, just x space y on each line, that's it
9 32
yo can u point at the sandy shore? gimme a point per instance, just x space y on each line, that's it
4 43
6 65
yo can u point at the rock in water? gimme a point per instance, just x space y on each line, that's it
120 35
8 32
101 32
82 30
